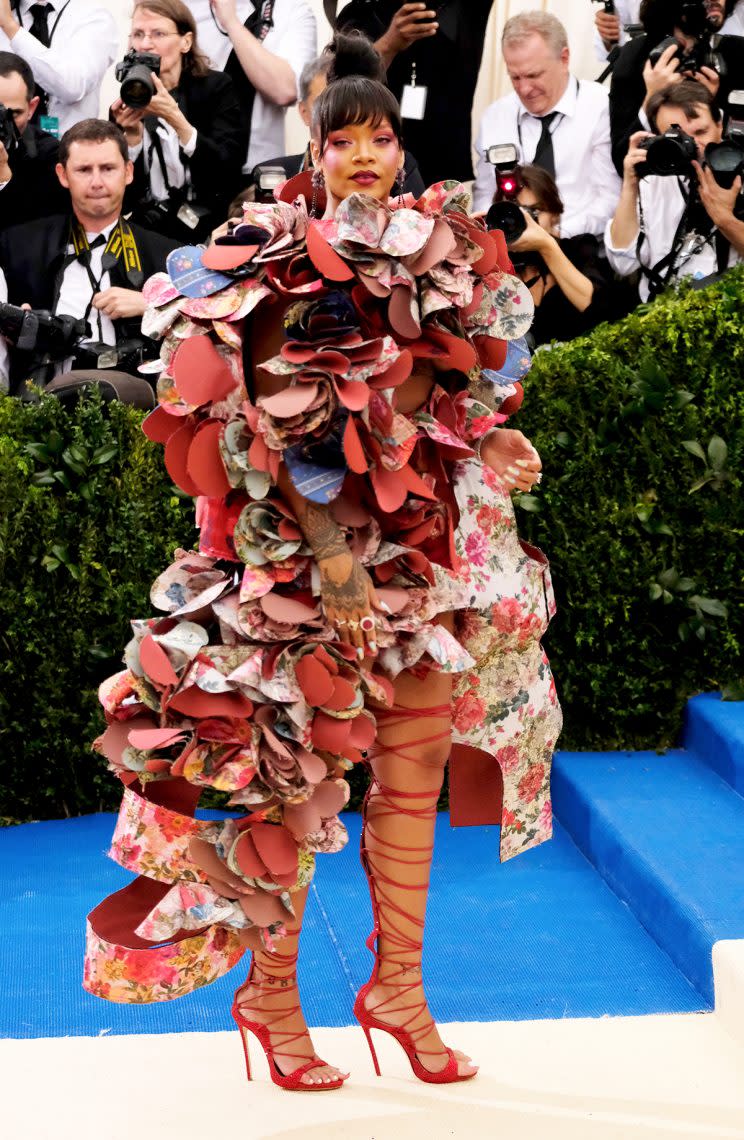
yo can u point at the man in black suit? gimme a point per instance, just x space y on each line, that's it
30 187
88 263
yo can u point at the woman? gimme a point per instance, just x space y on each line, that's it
570 282
313 80
314 628
188 142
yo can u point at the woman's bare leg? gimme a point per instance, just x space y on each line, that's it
272 991
400 818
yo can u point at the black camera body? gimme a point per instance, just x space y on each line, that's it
692 19
668 155
726 158
41 332
134 73
8 130
506 215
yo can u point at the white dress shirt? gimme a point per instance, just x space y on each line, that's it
76 293
734 26
293 36
663 204
629 12
83 45
172 150
587 180
3 345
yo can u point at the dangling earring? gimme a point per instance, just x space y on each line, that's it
399 180
318 182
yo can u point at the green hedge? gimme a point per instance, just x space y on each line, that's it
88 517
641 512
640 428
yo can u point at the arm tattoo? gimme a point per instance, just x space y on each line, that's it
324 535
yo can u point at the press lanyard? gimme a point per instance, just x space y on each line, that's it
559 119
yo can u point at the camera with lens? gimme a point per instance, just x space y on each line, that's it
41 332
693 21
726 158
506 215
134 73
266 177
672 153
8 129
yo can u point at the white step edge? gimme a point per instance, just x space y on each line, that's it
728 975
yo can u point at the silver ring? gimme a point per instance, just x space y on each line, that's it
539 477
339 621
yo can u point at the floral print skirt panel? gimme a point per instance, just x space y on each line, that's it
505 707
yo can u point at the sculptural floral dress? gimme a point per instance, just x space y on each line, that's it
238 683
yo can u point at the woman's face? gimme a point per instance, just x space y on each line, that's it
359 159
159 35
528 200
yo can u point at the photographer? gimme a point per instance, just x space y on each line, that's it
87 265
569 281
187 141
69 45
610 23
681 41
675 225
29 187
557 121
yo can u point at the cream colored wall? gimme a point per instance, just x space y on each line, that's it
577 15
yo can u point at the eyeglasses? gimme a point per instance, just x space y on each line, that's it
138 36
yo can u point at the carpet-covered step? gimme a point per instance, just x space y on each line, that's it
667 835
714 731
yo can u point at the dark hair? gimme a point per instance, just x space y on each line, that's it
96 131
194 60
356 91
687 95
11 64
542 185
660 17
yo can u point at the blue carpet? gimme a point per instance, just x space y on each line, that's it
539 937
667 834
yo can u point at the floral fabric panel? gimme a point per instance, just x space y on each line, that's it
507 705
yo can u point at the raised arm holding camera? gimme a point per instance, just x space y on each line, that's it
85 267
680 209
69 45
611 24
182 122
682 40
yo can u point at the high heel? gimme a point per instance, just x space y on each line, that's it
405 955
263 1030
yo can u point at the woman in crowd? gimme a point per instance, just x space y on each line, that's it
188 142
359 594
570 282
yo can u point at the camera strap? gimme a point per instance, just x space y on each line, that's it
121 245
150 124
660 274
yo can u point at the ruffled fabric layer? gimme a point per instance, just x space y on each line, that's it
239 684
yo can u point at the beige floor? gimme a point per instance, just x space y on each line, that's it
654 1078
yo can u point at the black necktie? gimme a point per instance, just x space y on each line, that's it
544 155
40 23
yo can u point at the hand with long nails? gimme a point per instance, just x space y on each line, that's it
511 456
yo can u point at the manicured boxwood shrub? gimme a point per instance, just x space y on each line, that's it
640 427
88 517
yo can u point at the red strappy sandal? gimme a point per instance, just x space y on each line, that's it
264 1030
385 907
